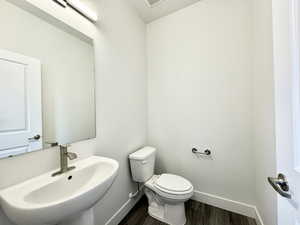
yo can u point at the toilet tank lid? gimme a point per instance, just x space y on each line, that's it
143 153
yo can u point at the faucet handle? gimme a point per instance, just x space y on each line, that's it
72 155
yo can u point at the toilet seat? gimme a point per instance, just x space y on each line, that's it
173 184
170 187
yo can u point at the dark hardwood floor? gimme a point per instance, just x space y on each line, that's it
197 214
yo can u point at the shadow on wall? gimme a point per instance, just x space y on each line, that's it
160 163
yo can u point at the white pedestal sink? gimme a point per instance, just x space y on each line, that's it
65 200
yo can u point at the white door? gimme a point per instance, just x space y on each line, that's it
287 106
20 104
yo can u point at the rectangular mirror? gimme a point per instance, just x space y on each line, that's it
47 85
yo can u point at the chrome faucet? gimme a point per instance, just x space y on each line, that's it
64 156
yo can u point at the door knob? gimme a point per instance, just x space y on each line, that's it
280 185
35 138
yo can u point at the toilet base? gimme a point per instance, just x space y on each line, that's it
173 214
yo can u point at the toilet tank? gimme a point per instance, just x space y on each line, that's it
142 164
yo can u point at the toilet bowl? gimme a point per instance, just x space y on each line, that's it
166 193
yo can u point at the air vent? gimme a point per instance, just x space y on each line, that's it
152 3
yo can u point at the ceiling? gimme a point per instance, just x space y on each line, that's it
165 7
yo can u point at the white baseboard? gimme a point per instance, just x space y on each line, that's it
217 201
123 211
227 204
258 218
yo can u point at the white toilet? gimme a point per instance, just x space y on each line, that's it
166 192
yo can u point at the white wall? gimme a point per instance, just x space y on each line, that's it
264 110
121 104
121 96
200 95
199 74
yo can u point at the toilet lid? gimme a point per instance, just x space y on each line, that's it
173 183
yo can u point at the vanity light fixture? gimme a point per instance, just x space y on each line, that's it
81 8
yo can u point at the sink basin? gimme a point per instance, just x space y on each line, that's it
47 200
